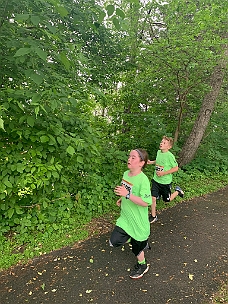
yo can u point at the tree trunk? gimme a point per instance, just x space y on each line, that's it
190 147
179 121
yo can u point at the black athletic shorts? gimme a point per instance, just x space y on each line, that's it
120 237
160 190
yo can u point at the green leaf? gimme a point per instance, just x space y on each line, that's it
55 226
10 212
35 20
120 13
110 9
52 29
80 159
59 140
20 167
101 17
65 60
18 210
7 183
37 109
3 206
21 17
2 124
44 138
52 140
55 174
16 221
70 150
62 11
20 105
35 99
42 54
36 78
30 121
134 1
22 52
2 196
116 23
2 188
43 286
45 204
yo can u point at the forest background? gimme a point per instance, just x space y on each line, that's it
84 82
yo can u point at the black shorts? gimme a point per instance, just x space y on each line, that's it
120 237
160 190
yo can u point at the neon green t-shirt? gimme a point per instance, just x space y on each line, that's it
134 218
164 162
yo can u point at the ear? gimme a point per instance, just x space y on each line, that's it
142 163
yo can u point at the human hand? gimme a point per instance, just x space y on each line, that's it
150 162
121 191
160 173
118 203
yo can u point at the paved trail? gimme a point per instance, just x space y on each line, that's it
188 262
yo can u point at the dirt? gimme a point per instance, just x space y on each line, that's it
188 262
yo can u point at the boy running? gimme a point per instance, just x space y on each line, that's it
165 166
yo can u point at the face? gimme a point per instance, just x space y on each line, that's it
134 160
164 145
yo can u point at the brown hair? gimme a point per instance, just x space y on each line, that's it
169 139
143 156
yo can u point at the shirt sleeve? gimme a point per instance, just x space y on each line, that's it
173 161
145 192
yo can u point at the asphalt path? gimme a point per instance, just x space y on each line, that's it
188 263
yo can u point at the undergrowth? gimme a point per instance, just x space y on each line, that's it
19 248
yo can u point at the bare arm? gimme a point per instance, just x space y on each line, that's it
122 191
170 171
151 162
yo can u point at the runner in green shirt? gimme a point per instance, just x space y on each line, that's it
135 198
165 166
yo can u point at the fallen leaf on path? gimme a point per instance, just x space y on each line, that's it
88 291
42 286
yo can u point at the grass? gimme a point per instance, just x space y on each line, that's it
16 249
221 296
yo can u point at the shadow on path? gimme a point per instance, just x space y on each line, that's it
188 262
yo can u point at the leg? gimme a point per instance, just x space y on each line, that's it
178 191
141 257
155 193
141 267
153 206
173 195
153 217
118 237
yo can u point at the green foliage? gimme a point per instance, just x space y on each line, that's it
51 148
17 247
